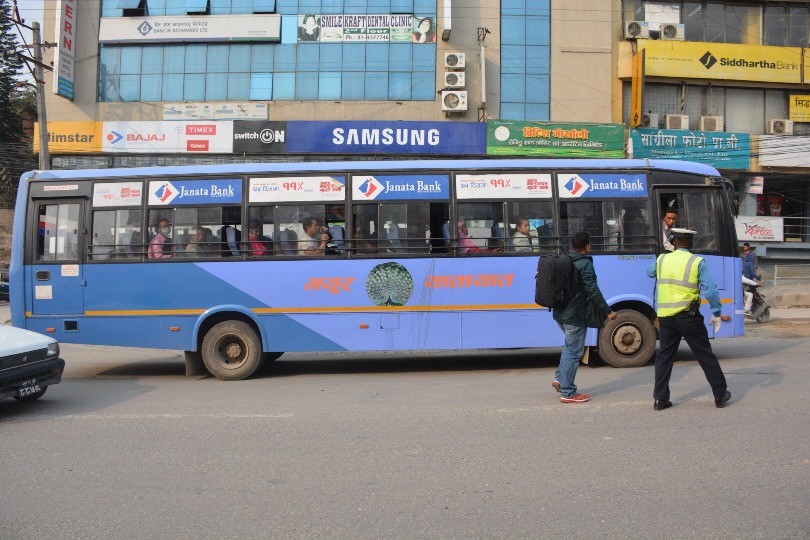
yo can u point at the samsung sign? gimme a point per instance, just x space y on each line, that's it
464 138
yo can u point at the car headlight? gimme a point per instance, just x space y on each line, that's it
53 350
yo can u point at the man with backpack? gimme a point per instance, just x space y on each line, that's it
585 309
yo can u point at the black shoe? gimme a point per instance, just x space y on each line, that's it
720 402
661 404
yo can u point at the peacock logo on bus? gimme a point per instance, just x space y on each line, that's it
371 188
166 193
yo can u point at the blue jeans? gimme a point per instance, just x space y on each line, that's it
569 359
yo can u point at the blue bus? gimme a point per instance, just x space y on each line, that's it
237 264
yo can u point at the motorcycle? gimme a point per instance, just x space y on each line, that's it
760 308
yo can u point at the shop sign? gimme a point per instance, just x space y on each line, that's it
799 107
729 61
168 137
183 192
514 138
71 137
716 148
383 137
228 110
760 228
778 151
259 137
254 27
64 55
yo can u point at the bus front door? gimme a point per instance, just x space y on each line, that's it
56 280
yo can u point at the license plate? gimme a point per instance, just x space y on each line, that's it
28 387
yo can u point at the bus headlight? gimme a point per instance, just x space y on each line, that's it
53 350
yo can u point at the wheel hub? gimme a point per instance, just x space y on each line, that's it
627 340
233 351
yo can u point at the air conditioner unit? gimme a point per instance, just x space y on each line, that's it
711 123
456 60
649 120
454 100
677 121
672 31
636 30
454 79
780 126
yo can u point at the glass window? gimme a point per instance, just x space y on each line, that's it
261 58
586 216
193 86
129 87
715 21
174 59
530 228
400 56
239 59
353 85
354 57
537 59
195 59
195 6
399 86
379 6
283 86
797 29
329 86
377 57
151 87
538 31
742 24
635 226
116 235
111 60
216 87
424 58
423 86
404 228
284 57
423 7
697 211
302 230
479 227
261 229
377 86
513 59
152 60
306 85
241 6
355 6
58 232
537 88
692 16
513 30
331 6
537 111
261 86
308 57
402 6
217 59
176 7
513 111
264 6
130 60
331 57
220 7
238 86
513 88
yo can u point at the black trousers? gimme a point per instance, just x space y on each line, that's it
693 329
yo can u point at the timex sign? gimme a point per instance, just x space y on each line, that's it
259 137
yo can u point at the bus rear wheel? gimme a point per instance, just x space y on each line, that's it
231 351
628 340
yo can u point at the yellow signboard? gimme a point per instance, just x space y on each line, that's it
637 89
730 61
71 137
799 108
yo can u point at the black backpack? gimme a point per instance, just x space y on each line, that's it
553 281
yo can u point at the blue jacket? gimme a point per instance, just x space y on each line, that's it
750 266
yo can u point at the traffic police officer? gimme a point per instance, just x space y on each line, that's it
681 275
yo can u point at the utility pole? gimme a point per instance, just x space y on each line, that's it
39 77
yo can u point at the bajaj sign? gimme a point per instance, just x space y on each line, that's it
257 137
734 62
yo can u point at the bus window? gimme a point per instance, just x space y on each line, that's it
301 230
58 238
364 236
480 227
116 235
261 224
635 230
584 216
404 227
531 226
698 211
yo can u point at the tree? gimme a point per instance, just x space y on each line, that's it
17 102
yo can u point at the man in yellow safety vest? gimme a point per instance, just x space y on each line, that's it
681 275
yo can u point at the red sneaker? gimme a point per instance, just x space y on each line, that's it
576 398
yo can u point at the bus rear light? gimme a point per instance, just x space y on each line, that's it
174 329
363 327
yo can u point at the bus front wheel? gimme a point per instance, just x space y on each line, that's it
628 340
231 351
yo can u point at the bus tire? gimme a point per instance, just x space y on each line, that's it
628 340
232 351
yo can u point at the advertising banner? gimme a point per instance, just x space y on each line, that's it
799 108
117 194
251 137
778 151
601 185
64 53
297 188
386 137
228 110
182 192
254 27
719 149
760 228
371 27
731 61
400 187
503 186
71 137
168 137
515 138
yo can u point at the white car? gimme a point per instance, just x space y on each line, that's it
29 363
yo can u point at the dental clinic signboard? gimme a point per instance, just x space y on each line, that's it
716 148
553 139
386 138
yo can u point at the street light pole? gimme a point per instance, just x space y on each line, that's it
39 78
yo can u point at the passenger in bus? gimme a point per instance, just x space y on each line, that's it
670 217
521 240
160 247
634 228
258 244
230 237
363 241
196 246
317 237
465 244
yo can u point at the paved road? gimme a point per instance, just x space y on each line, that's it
428 446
